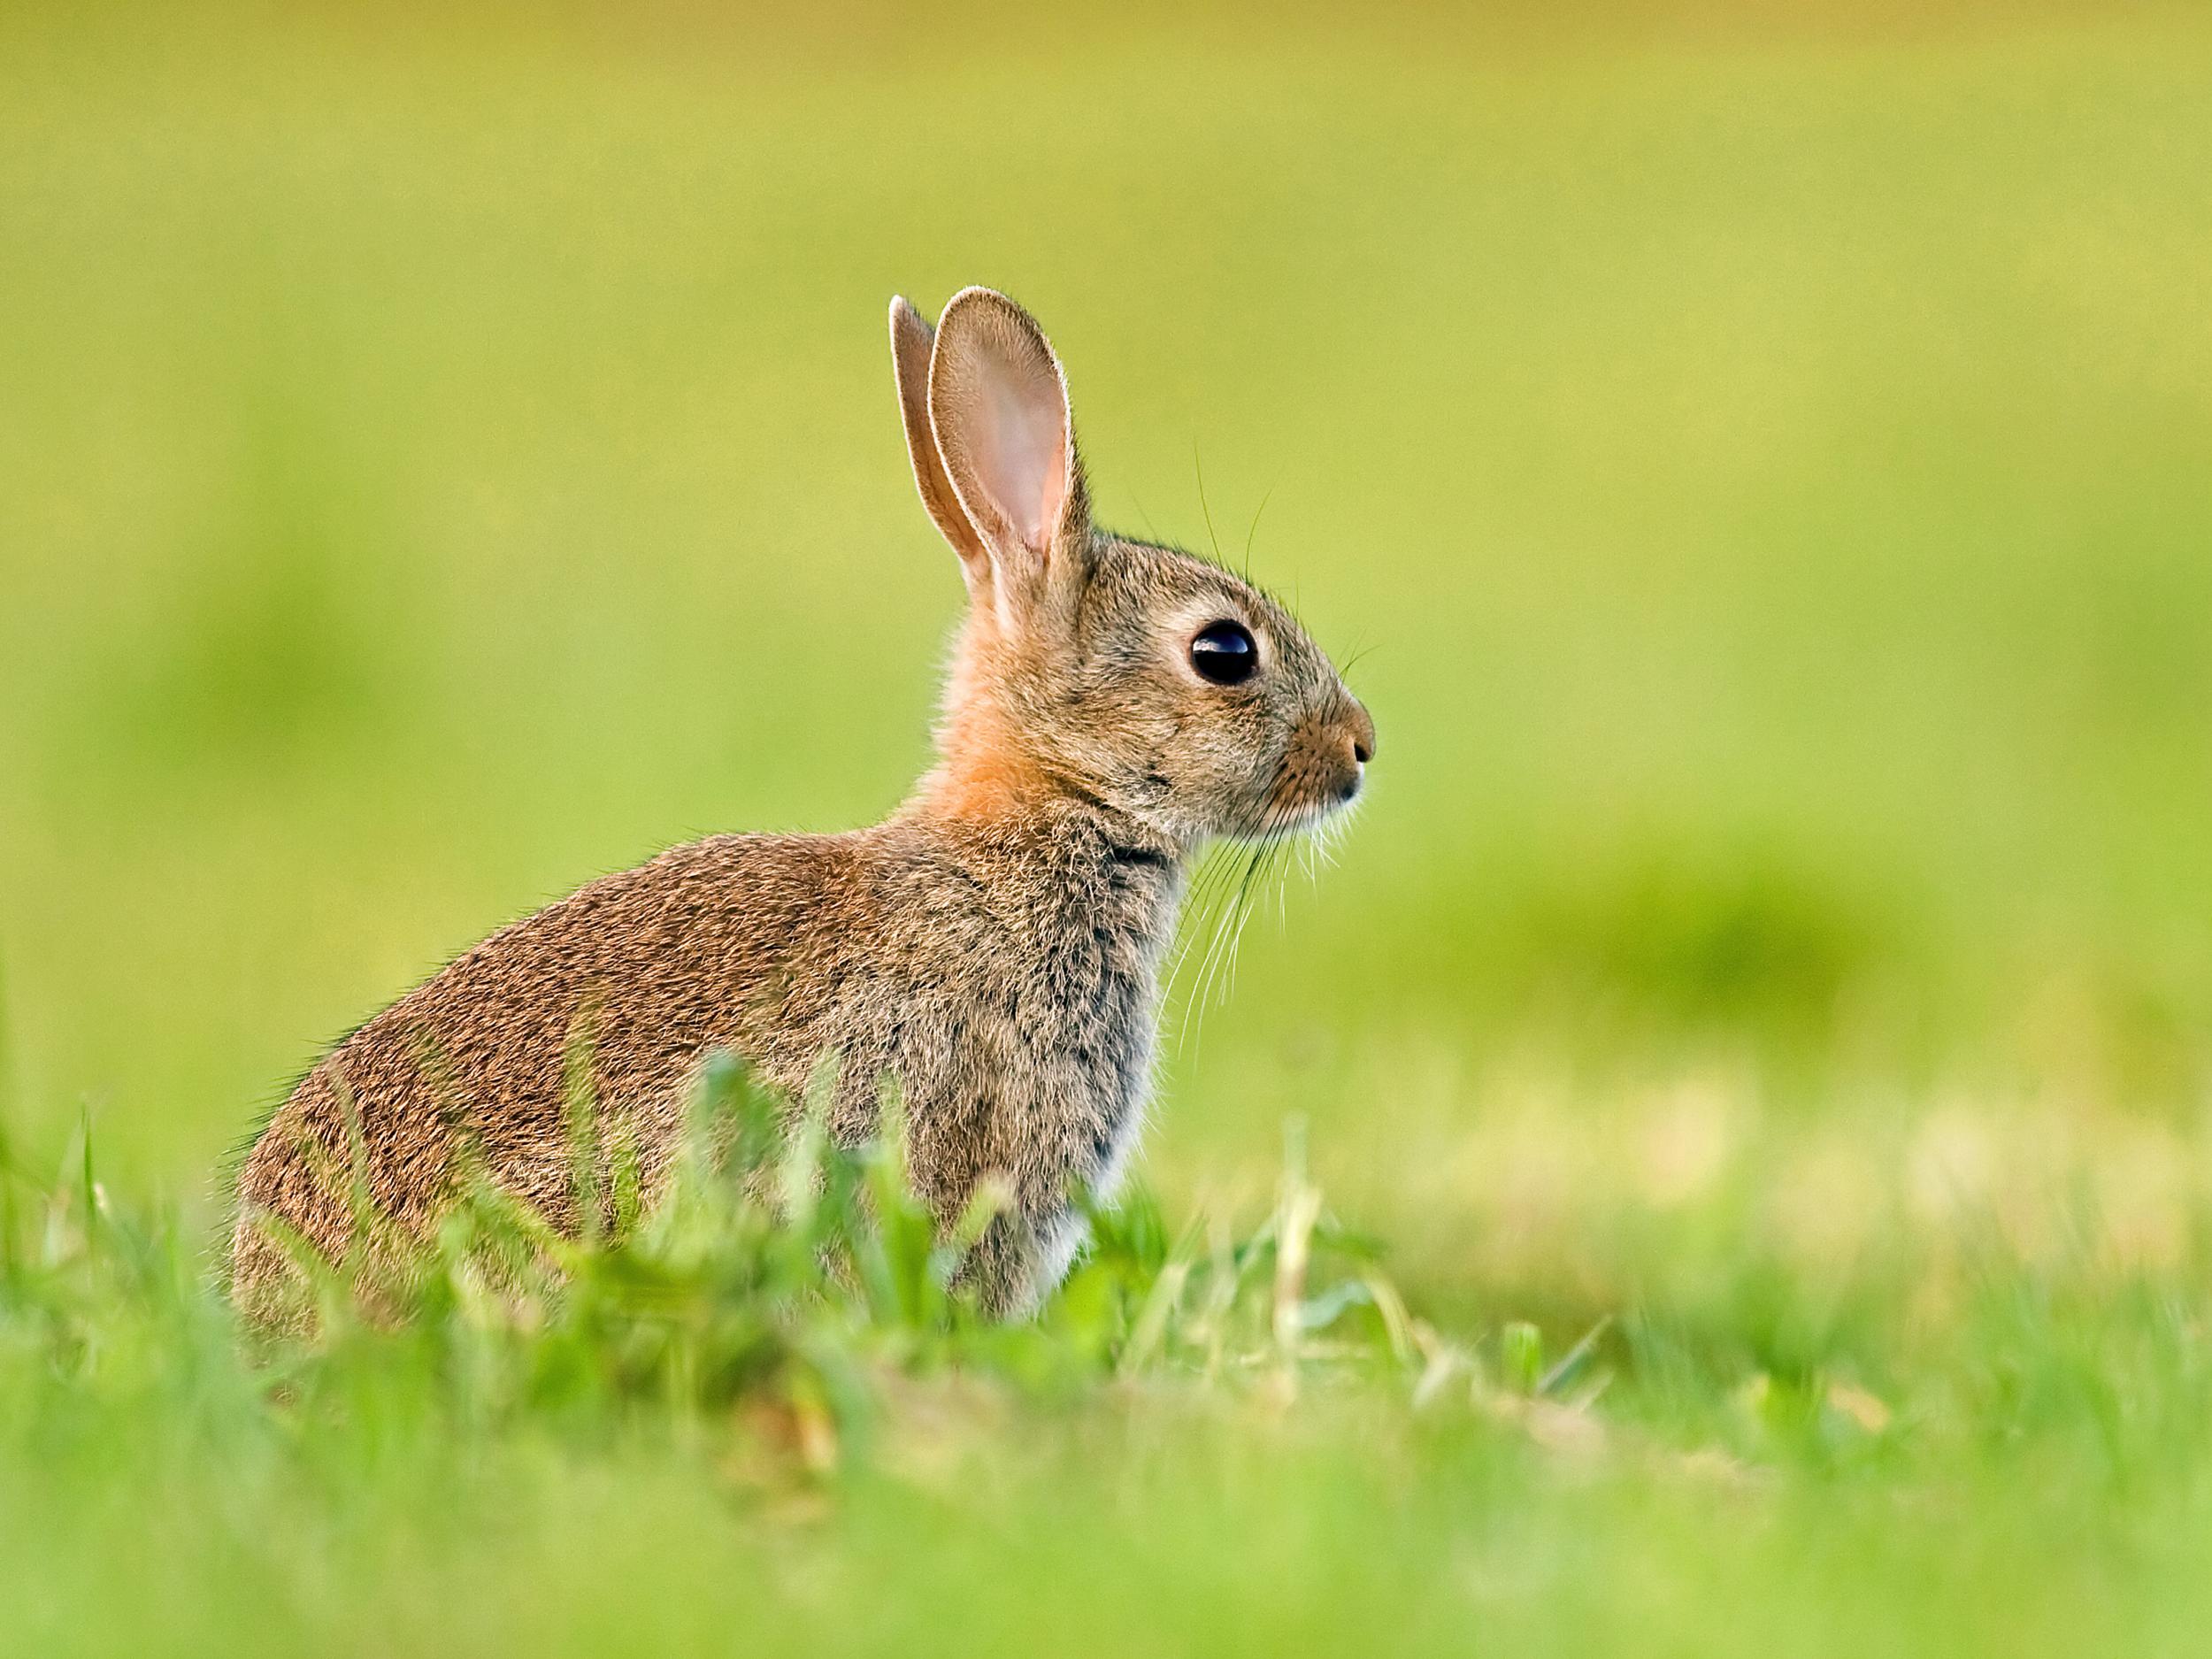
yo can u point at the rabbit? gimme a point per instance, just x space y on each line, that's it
994 948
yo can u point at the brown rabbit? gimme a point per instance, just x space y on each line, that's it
996 947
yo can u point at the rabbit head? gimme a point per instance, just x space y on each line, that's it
1151 683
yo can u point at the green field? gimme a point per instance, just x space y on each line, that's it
1760 461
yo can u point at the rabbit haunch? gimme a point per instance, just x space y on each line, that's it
994 950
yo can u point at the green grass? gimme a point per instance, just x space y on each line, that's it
775 1422
1756 457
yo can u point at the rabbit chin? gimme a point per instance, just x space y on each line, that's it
1280 821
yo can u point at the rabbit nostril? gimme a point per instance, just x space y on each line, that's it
1361 730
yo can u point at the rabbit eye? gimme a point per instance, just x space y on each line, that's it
1225 652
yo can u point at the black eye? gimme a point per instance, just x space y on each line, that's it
1225 652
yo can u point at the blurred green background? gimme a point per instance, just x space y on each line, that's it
1757 456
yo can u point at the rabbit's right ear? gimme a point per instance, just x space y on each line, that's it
998 403
911 339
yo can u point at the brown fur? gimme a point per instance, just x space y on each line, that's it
994 947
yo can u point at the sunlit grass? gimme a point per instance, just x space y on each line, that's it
1841 1390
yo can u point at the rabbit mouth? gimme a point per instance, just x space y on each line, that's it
1299 811
1307 795
1314 813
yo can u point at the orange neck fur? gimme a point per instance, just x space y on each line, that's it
985 770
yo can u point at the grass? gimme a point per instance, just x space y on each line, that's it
776 1421
1759 1029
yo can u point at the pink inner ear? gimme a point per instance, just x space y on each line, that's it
1021 455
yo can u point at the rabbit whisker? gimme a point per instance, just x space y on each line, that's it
1251 535
1201 920
1266 863
1212 540
1230 933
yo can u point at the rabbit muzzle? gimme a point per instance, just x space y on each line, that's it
1324 768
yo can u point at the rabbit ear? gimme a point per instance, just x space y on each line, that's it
911 342
999 406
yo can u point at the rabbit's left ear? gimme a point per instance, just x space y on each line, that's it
911 342
998 404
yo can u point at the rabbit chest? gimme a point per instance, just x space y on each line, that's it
1011 992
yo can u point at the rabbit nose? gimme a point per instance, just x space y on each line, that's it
1361 736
